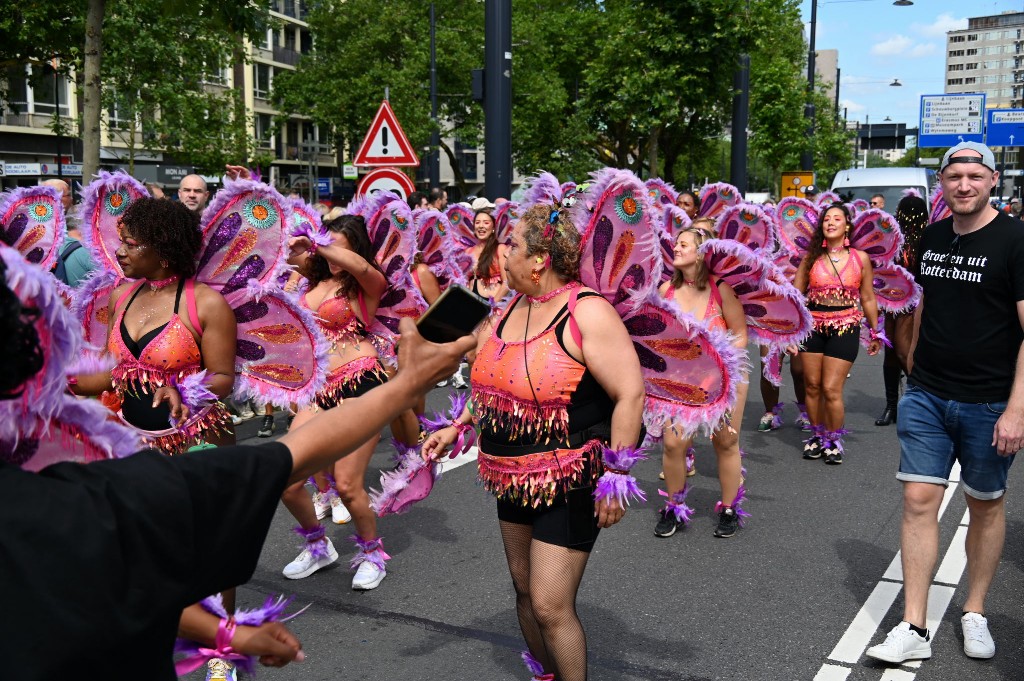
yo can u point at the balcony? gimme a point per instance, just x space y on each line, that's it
286 55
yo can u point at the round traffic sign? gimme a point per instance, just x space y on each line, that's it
386 179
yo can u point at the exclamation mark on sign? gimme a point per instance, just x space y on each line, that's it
384 139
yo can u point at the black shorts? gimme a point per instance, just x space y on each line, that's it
360 386
838 344
550 523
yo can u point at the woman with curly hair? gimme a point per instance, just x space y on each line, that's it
345 287
555 381
718 307
837 282
912 216
169 334
488 275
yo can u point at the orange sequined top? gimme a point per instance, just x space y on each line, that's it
713 316
827 284
336 317
529 390
166 354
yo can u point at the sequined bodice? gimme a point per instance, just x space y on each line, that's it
826 284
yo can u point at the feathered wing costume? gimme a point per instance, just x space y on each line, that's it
874 231
660 193
45 424
392 232
716 197
33 223
690 371
505 217
436 247
280 353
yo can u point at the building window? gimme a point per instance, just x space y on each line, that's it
972 66
972 51
970 81
955 81
262 78
956 67
268 40
264 131
972 37
956 39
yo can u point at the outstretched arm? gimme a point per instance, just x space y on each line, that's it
336 432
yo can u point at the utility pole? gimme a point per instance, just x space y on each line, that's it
740 117
434 158
807 157
498 98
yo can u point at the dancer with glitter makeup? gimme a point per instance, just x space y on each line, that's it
169 335
487 277
345 288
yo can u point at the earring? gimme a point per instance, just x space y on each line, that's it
846 239
535 276
540 259
824 243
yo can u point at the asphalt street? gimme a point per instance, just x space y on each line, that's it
796 594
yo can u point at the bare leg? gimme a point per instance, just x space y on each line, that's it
295 498
673 460
985 536
769 391
919 543
796 370
349 474
812 375
833 373
726 441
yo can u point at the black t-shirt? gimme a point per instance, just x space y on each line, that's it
970 332
97 561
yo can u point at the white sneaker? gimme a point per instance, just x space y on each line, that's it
441 384
339 514
306 564
978 642
458 381
368 576
236 420
245 412
321 505
902 644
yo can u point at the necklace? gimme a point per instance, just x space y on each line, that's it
689 282
162 283
833 251
540 300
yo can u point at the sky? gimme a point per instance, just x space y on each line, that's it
878 42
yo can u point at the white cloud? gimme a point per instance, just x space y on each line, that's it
852 107
943 23
923 50
894 46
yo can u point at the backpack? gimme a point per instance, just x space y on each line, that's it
61 270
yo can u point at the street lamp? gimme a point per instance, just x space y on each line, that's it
807 157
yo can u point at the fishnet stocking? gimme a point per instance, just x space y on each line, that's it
546 579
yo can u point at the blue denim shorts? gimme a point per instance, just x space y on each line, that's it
934 433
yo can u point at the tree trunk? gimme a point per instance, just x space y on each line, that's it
241 121
460 180
91 98
652 151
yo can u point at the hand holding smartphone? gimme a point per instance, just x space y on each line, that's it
456 313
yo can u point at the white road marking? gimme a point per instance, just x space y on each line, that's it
460 460
865 624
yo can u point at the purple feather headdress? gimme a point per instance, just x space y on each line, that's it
367 205
543 189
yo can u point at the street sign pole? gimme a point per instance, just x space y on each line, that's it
498 98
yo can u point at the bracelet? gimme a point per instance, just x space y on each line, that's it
313 247
467 436
616 483
225 634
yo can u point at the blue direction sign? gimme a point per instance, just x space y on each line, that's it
1005 128
947 120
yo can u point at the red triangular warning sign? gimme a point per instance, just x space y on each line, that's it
385 143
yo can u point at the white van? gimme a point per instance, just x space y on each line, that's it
863 183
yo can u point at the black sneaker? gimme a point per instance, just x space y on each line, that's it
812 448
728 522
667 524
267 427
833 453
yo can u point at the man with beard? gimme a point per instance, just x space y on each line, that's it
965 396
193 193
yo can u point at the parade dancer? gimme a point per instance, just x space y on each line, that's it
345 288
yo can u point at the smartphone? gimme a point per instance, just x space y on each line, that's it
453 315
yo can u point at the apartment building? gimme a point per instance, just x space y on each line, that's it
986 57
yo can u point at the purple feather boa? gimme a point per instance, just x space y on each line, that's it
313 540
676 505
616 483
370 551
535 668
60 338
87 208
195 392
272 610
91 361
439 420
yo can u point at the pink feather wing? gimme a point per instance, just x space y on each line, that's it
878 234
660 193
827 199
797 220
461 218
244 236
305 218
940 210
32 223
436 248
895 289
104 201
91 306
749 225
716 197
621 254
281 356
505 217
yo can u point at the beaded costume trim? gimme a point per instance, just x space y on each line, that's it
537 479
